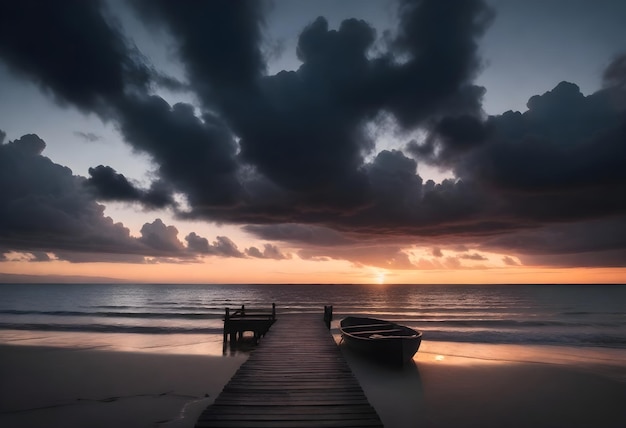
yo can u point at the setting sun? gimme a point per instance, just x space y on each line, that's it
380 278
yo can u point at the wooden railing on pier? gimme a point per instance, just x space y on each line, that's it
239 321
296 377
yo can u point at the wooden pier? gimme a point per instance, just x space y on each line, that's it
296 377
239 321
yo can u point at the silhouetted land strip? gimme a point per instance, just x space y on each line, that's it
296 377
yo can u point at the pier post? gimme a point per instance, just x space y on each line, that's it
238 322
226 323
328 315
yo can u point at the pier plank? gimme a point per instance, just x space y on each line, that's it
296 377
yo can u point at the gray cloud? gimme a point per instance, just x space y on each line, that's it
473 256
598 242
160 237
195 155
46 209
269 252
286 153
304 130
222 246
615 73
383 255
111 185
509 261
89 137
70 50
299 234
108 185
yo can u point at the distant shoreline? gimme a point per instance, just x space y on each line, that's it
6 278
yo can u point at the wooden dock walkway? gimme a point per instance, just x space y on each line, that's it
296 377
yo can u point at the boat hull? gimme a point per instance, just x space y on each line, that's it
381 340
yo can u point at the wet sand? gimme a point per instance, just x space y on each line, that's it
454 385
63 387
450 385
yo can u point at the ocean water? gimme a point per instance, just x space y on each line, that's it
572 315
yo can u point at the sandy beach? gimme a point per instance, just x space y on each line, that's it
471 385
450 385
63 387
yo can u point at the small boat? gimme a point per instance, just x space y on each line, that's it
381 340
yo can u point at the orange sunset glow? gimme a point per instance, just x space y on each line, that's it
298 271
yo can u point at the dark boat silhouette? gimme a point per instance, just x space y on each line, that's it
381 340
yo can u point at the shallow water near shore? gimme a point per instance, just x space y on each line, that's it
576 315
567 324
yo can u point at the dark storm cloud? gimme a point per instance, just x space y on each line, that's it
44 208
226 247
615 73
549 174
168 82
304 130
564 158
222 37
383 255
195 155
440 41
70 50
108 185
321 243
405 205
565 140
612 258
112 186
299 234
450 137
76 55
159 195
197 243
287 152
222 246
160 237
596 242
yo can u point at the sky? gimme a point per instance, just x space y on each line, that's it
293 141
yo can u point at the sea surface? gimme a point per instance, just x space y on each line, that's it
571 315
